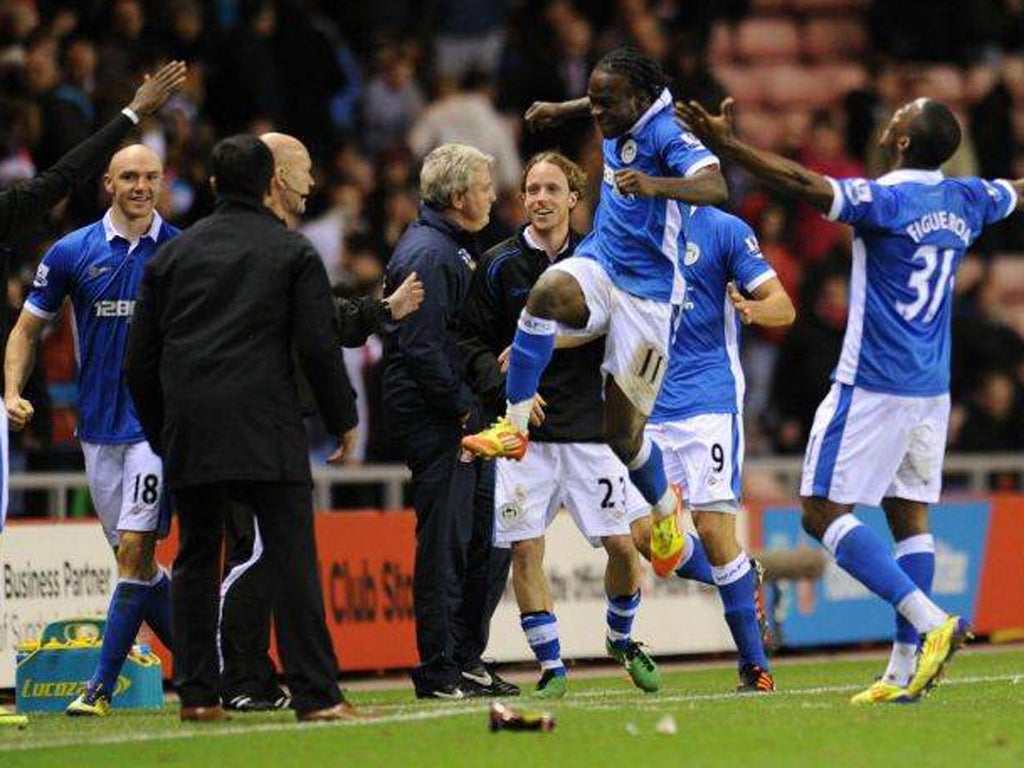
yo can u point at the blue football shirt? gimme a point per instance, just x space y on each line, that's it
911 230
637 239
704 373
100 271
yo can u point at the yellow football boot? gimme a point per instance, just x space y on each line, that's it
11 719
882 692
92 702
501 440
668 544
937 649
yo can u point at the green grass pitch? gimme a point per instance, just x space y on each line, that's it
975 718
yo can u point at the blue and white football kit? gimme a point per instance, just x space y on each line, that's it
698 418
627 267
100 270
881 431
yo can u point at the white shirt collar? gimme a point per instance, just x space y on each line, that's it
664 100
111 231
528 237
915 175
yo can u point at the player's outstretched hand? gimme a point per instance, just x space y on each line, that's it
156 89
537 412
544 114
740 304
631 182
19 412
407 297
503 358
713 130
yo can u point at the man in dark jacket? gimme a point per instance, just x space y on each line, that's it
248 678
211 373
456 582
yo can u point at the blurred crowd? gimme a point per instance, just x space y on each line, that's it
371 87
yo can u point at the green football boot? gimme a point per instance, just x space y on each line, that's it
641 667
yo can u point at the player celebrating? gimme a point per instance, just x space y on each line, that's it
99 267
569 464
698 423
879 435
623 280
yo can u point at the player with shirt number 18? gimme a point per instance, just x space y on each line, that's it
623 280
100 267
880 434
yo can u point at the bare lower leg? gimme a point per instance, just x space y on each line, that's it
136 555
622 574
819 514
717 531
528 580
906 518
640 529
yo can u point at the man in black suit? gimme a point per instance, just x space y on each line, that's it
211 373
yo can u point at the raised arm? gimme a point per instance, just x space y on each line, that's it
786 176
548 114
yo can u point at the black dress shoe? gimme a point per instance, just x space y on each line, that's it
484 680
244 703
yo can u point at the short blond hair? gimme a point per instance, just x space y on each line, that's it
574 175
448 171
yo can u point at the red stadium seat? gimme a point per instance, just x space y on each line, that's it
843 78
834 38
745 84
828 6
768 40
761 128
721 45
789 86
942 82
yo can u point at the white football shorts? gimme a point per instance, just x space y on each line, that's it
703 455
865 446
586 478
127 486
639 331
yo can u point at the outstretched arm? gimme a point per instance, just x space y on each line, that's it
786 176
548 114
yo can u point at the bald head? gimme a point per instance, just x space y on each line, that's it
133 181
293 172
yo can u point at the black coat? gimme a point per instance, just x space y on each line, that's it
572 384
210 365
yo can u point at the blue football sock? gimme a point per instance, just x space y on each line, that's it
916 557
532 347
619 615
695 565
736 583
861 553
158 608
124 617
541 628
647 471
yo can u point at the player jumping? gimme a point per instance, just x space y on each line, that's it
100 267
880 434
623 280
698 418
569 465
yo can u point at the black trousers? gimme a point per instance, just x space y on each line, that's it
284 513
458 577
246 666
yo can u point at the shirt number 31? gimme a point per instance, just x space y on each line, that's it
929 293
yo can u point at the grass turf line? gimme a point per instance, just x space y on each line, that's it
974 718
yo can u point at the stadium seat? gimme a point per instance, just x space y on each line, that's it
768 7
761 128
771 39
829 6
787 85
942 82
843 78
745 84
834 38
720 44
979 80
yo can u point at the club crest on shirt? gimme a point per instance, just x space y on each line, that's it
510 512
692 254
628 152
41 273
